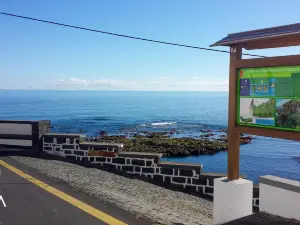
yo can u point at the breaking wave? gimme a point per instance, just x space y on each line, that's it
163 123
154 124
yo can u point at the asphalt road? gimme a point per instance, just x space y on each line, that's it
262 218
29 204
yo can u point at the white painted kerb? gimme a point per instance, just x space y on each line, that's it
16 142
232 199
15 128
279 196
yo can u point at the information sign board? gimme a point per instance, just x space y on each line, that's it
269 97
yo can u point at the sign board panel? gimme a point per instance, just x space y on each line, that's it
269 97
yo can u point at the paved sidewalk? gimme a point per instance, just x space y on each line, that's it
41 200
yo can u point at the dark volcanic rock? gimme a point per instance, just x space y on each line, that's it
207 135
103 133
205 131
156 134
172 147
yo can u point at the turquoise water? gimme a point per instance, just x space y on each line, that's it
130 112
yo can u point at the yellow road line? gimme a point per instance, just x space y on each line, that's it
75 202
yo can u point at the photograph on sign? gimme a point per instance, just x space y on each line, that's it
288 113
269 97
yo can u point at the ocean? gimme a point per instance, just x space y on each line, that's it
128 112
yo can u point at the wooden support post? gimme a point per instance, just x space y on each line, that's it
233 170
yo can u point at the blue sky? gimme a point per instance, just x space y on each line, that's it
40 56
280 102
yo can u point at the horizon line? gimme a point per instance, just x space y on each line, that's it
111 90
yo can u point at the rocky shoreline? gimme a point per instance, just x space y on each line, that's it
163 142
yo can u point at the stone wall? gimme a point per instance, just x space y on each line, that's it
147 166
256 196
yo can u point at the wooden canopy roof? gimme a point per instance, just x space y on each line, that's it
282 36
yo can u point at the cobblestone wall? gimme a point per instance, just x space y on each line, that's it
179 176
256 196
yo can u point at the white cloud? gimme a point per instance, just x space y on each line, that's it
162 78
113 83
153 81
79 81
155 84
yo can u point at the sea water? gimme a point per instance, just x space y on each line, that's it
119 112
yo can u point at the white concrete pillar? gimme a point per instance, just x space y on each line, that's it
232 199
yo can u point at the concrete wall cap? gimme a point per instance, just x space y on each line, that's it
140 154
212 174
291 185
24 121
180 165
64 135
102 143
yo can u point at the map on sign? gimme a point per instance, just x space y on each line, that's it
269 97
